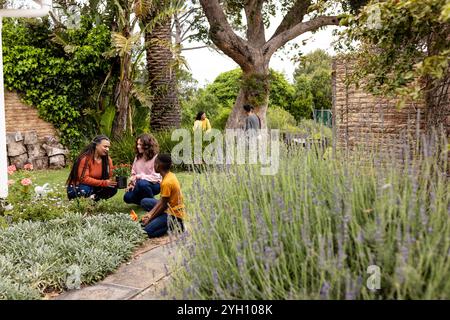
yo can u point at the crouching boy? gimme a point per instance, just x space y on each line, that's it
168 212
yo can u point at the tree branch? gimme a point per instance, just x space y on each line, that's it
294 16
223 36
255 24
280 40
195 48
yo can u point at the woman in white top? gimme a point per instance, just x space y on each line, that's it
145 182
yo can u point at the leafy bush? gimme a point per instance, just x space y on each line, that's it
123 150
218 98
278 118
314 129
36 257
311 129
59 72
312 230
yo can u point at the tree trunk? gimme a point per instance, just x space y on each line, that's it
254 91
121 123
166 111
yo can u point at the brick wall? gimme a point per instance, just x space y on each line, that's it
23 118
361 119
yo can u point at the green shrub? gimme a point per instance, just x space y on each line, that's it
220 121
60 72
36 257
314 129
278 118
312 230
122 151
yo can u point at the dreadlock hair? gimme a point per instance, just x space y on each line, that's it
150 145
89 152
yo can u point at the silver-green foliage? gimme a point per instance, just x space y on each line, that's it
37 256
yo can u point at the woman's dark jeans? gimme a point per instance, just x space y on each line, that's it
83 190
142 189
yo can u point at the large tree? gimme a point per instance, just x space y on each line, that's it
253 53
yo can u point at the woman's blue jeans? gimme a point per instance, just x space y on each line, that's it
83 190
142 189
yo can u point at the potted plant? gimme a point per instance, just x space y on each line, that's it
122 172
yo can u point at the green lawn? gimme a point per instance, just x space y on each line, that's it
57 179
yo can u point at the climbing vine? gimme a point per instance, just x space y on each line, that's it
399 43
58 71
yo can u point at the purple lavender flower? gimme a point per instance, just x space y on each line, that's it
321 253
360 237
350 289
325 290
215 278
240 263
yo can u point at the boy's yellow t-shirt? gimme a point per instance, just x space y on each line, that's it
170 188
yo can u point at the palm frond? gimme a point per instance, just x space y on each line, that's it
122 44
142 8
142 94
161 17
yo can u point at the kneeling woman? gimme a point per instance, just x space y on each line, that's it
145 181
91 173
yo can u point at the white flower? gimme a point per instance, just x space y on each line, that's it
9 207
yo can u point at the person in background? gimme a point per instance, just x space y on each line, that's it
91 173
252 122
167 213
145 181
201 122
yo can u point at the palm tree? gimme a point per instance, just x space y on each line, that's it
166 111
127 46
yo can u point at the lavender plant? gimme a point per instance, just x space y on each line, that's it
312 231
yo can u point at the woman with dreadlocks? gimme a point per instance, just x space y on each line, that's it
91 173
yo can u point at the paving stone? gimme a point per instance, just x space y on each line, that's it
155 292
143 271
99 292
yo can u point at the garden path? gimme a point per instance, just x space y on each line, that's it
143 277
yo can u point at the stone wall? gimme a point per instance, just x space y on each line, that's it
42 153
361 119
29 139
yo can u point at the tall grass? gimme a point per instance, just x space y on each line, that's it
312 230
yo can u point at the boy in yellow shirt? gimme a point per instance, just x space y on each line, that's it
169 211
